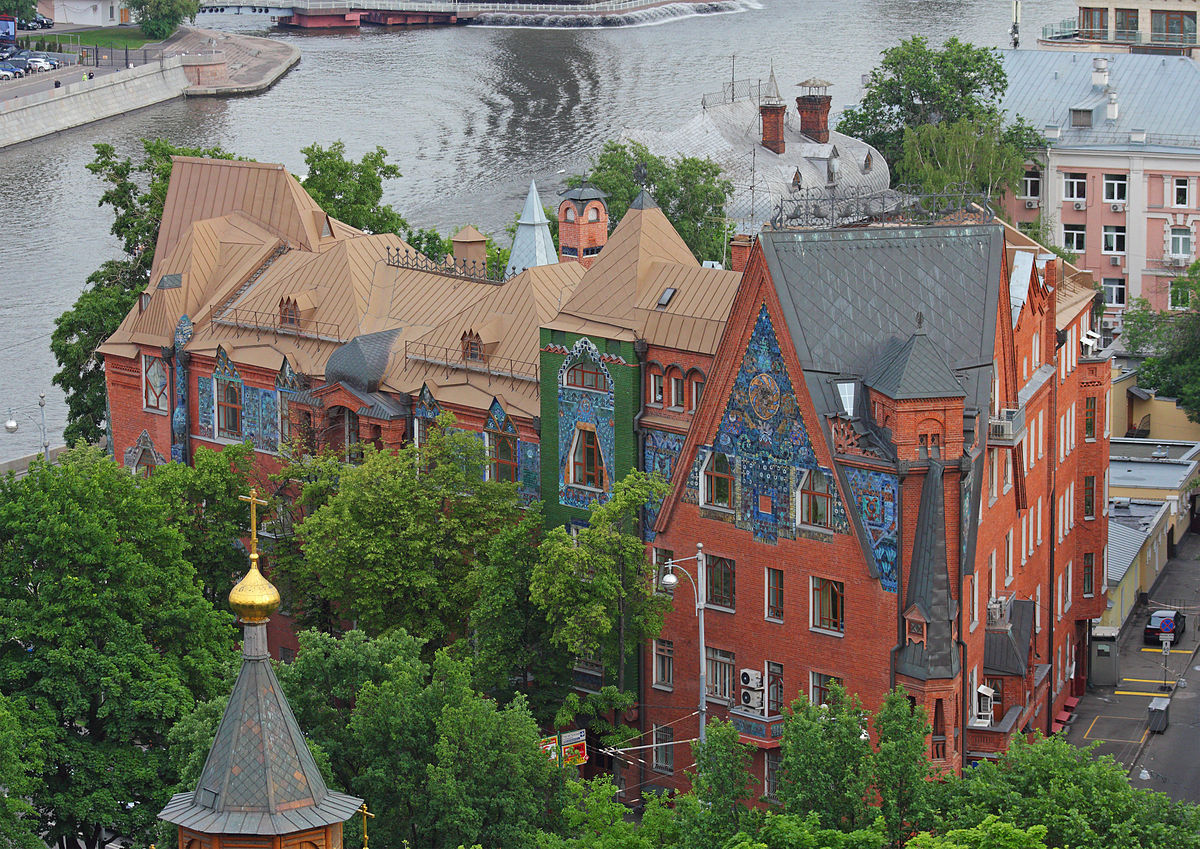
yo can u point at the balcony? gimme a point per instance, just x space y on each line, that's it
753 724
1070 30
993 737
1008 428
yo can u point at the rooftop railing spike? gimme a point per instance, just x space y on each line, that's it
411 260
822 208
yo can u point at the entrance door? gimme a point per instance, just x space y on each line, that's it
124 15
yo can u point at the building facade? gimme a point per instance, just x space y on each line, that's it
1158 27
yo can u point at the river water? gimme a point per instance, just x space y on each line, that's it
469 114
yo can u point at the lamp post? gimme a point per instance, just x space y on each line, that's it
669 582
11 425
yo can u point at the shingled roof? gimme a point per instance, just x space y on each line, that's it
914 369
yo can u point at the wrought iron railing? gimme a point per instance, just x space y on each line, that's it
823 208
1070 29
401 258
734 91
464 9
452 357
272 321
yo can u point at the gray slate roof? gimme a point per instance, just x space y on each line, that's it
259 777
1157 94
847 293
1006 651
361 362
532 244
914 369
929 588
1124 543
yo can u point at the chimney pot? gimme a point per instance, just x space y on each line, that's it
814 116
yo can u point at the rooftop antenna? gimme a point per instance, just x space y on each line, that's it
732 77
1015 32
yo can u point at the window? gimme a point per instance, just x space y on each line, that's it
718 482
1081 117
593 214
229 409
1089 496
720 673
502 456
828 605
1089 574
664 749
697 392
1114 239
972 600
1037 350
285 420
774 688
1179 294
1031 185
1008 557
654 387
771 779
1074 238
587 464
664 663
1093 23
1127 25
1074 184
678 392
819 686
1181 241
816 496
1181 191
570 216
587 376
1089 417
720 581
997 687
1116 187
289 313
156 396
1114 291
472 348
775 594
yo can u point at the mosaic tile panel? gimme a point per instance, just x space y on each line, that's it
584 406
179 416
529 470
426 406
877 497
661 451
498 420
205 407
224 368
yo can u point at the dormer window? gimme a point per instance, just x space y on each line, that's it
143 301
289 313
846 390
718 482
472 348
1081 117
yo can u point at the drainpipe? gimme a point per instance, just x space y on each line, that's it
640 346
1053 457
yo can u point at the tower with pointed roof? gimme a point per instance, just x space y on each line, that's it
260 787
532 245
582 225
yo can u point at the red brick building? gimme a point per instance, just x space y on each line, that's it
897 472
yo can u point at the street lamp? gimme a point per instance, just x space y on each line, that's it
11 425
669 582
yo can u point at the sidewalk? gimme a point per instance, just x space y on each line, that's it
1117 717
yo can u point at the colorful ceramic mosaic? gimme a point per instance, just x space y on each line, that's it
179 416
529 470
205 407
659 454
143 453
498 420
260 418
584 406
426 406
877 497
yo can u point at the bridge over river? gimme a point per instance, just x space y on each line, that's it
352 13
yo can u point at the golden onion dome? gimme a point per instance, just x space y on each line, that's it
254 598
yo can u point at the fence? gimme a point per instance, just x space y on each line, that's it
93 56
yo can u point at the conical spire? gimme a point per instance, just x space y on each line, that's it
771 96
532 244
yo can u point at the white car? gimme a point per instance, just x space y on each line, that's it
37 63
6 75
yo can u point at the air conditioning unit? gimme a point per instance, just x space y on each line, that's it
1080 206
1114 260
1118 207
752 699
984 697
1031 204
752 678
1177 261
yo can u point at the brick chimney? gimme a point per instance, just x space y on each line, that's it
739 252
772 109
813 106
582 225
470 251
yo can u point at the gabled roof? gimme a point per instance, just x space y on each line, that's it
532 244
1006 650
914 369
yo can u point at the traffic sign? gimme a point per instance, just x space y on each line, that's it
1167 626
1166 648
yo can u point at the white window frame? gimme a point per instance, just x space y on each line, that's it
1074 185
1114 240
1075 238
1180 242
664 650
1173 290
678 392
1037 350
166 396
579 431
1116 188
656 389
1031 184
1113 286
767 594
1009 573
1177 184
704 502
973 601
663 760
727 662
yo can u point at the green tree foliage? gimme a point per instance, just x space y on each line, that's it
397 544
593 819
826 761
105 635
992 833
160 18
900 769
793 831
690 191
352 192
203 503
720 785
916 84
598 588
136 193
22 10
1082 800
1171 339
975 152
21 764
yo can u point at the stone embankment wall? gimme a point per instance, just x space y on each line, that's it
52 111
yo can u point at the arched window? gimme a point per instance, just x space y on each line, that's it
587 375
696 389
816 497
593 214
229 409
502 456
677 388
570 216
718 482
472 348
289 313
654 385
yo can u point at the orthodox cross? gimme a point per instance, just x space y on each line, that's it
254 502
365 813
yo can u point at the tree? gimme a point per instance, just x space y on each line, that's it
105 634
598 588
992 833
160 18
593 819
794 831
825 766
977 153
397 544
352 192
203 503
916 85
1171 339
900 769
20 766
720 786
137 194
691 192
1083 801
22 10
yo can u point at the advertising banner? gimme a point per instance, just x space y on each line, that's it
574 747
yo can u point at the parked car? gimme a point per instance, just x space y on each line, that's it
6 74
54 61
39 63
1154 625
28 25
7 50
43 21
21 63
12 69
